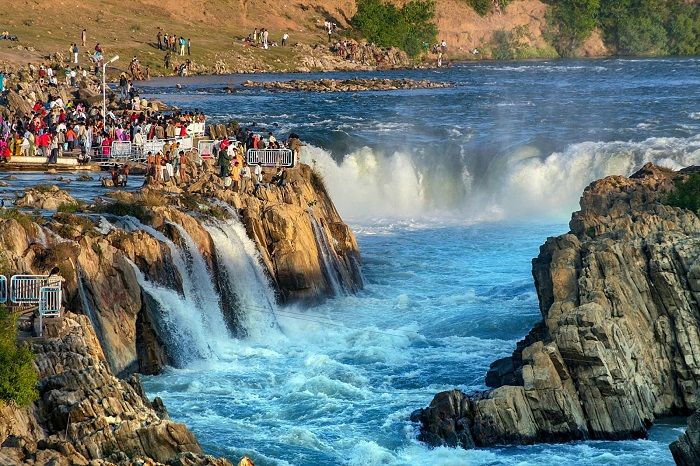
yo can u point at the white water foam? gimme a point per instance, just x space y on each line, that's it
370 184
248 280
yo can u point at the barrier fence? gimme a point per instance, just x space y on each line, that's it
3 289
26 289
270 157
50 301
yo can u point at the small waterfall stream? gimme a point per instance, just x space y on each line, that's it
247 279
327 258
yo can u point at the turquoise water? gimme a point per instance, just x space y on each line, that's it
450 192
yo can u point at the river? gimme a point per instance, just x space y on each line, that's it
450 193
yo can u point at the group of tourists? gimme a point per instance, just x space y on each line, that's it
172 42
261 38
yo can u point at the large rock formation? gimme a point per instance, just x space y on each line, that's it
618 344
85 415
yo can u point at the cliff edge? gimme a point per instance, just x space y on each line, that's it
618 343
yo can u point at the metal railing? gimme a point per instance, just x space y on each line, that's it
26 289
270 157
3 289
50 301
124 151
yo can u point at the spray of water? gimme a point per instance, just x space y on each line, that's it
525 182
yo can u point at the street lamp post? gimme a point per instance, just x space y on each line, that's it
104 89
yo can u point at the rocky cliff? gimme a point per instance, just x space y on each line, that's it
86 416
618 343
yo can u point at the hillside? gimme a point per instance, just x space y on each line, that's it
216 28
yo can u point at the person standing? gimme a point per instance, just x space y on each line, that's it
266 36
2 82
75 53
246 178
189 46
159 36
83 36
285 38
255 36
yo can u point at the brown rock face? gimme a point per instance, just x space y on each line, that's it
621 328
46 199
86 414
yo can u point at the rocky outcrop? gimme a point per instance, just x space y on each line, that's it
346 85
306 247
617 347
44 198
686 450
85 415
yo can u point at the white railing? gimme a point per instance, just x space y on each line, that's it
50 301
270 157
120 149
26 289
196 129
3 289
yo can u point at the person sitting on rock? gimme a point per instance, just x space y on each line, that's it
280 178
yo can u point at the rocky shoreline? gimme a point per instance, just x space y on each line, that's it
346 85
617 345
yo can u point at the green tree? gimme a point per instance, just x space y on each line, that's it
18 377
388 26
571 22
687 194
641 36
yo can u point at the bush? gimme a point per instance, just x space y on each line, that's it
687 194
651 27
18 377
23 219
69 208
483 7
121 209
386 25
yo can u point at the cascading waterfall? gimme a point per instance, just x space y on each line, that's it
330 271
193 324
525 180
203 289
247 279
179 323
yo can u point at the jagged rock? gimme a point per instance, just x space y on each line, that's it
347 85
686 450
87 415
617 347
49 198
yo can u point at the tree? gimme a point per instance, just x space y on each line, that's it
571 23
388 26
18 377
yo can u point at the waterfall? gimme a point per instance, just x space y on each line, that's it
247 279
179 323
202 286
193 324
327 258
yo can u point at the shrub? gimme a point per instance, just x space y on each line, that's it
24 219
122 209
483 7
18 377
69 208
687 193
408 27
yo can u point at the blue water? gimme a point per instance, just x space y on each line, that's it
450 192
